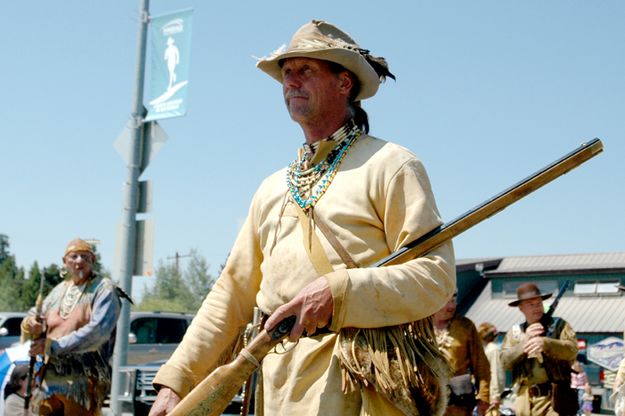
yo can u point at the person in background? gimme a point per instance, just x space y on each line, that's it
488 334
540 353
461 344
618 393
15 392
579 379
76 335
587 399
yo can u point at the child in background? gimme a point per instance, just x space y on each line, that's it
579 379
587 400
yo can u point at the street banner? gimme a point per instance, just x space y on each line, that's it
170 52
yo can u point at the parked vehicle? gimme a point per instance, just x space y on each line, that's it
10 328
154 336
139 395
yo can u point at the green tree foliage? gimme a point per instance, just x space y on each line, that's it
178 290
31 286
97 266
4 247
11 282
51 277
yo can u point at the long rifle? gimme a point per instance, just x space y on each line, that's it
33 359
215 392
556 300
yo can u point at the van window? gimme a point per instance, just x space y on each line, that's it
13 326
158 330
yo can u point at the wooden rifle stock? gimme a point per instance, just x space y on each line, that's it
216 391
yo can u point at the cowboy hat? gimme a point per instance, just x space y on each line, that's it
487 330
321 40
527 291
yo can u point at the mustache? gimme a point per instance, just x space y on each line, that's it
295 93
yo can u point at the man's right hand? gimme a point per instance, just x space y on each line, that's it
35 325
312 306
165 402
534 330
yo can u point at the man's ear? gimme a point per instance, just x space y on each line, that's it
346 83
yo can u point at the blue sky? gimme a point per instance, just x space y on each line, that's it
487 92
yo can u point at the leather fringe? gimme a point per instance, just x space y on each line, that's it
402 363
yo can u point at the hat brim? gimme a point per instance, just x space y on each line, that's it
518 301
351 60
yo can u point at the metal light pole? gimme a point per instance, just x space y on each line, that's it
131 201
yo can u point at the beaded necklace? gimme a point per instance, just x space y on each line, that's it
307 185
71 297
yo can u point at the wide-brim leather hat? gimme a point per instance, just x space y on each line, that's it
527 291
322 40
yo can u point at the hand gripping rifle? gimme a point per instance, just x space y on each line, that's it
549 313
33 360
215 392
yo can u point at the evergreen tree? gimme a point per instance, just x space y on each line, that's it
97 265
170 292
11 281
31 287
4 247
198 278
178 291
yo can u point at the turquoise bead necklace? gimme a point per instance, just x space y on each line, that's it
307 186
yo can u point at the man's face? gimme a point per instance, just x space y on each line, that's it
79 264
448 311
312 91
533 309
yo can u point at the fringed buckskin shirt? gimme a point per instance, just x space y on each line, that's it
78 366
463 348
379 201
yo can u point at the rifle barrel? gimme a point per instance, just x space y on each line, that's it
490 207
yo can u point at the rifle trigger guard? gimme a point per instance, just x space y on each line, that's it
283 328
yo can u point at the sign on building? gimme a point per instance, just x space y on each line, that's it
607 353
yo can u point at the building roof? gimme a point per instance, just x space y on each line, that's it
585 314
486 263
554 264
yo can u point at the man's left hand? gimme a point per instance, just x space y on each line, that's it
534 346
312 307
